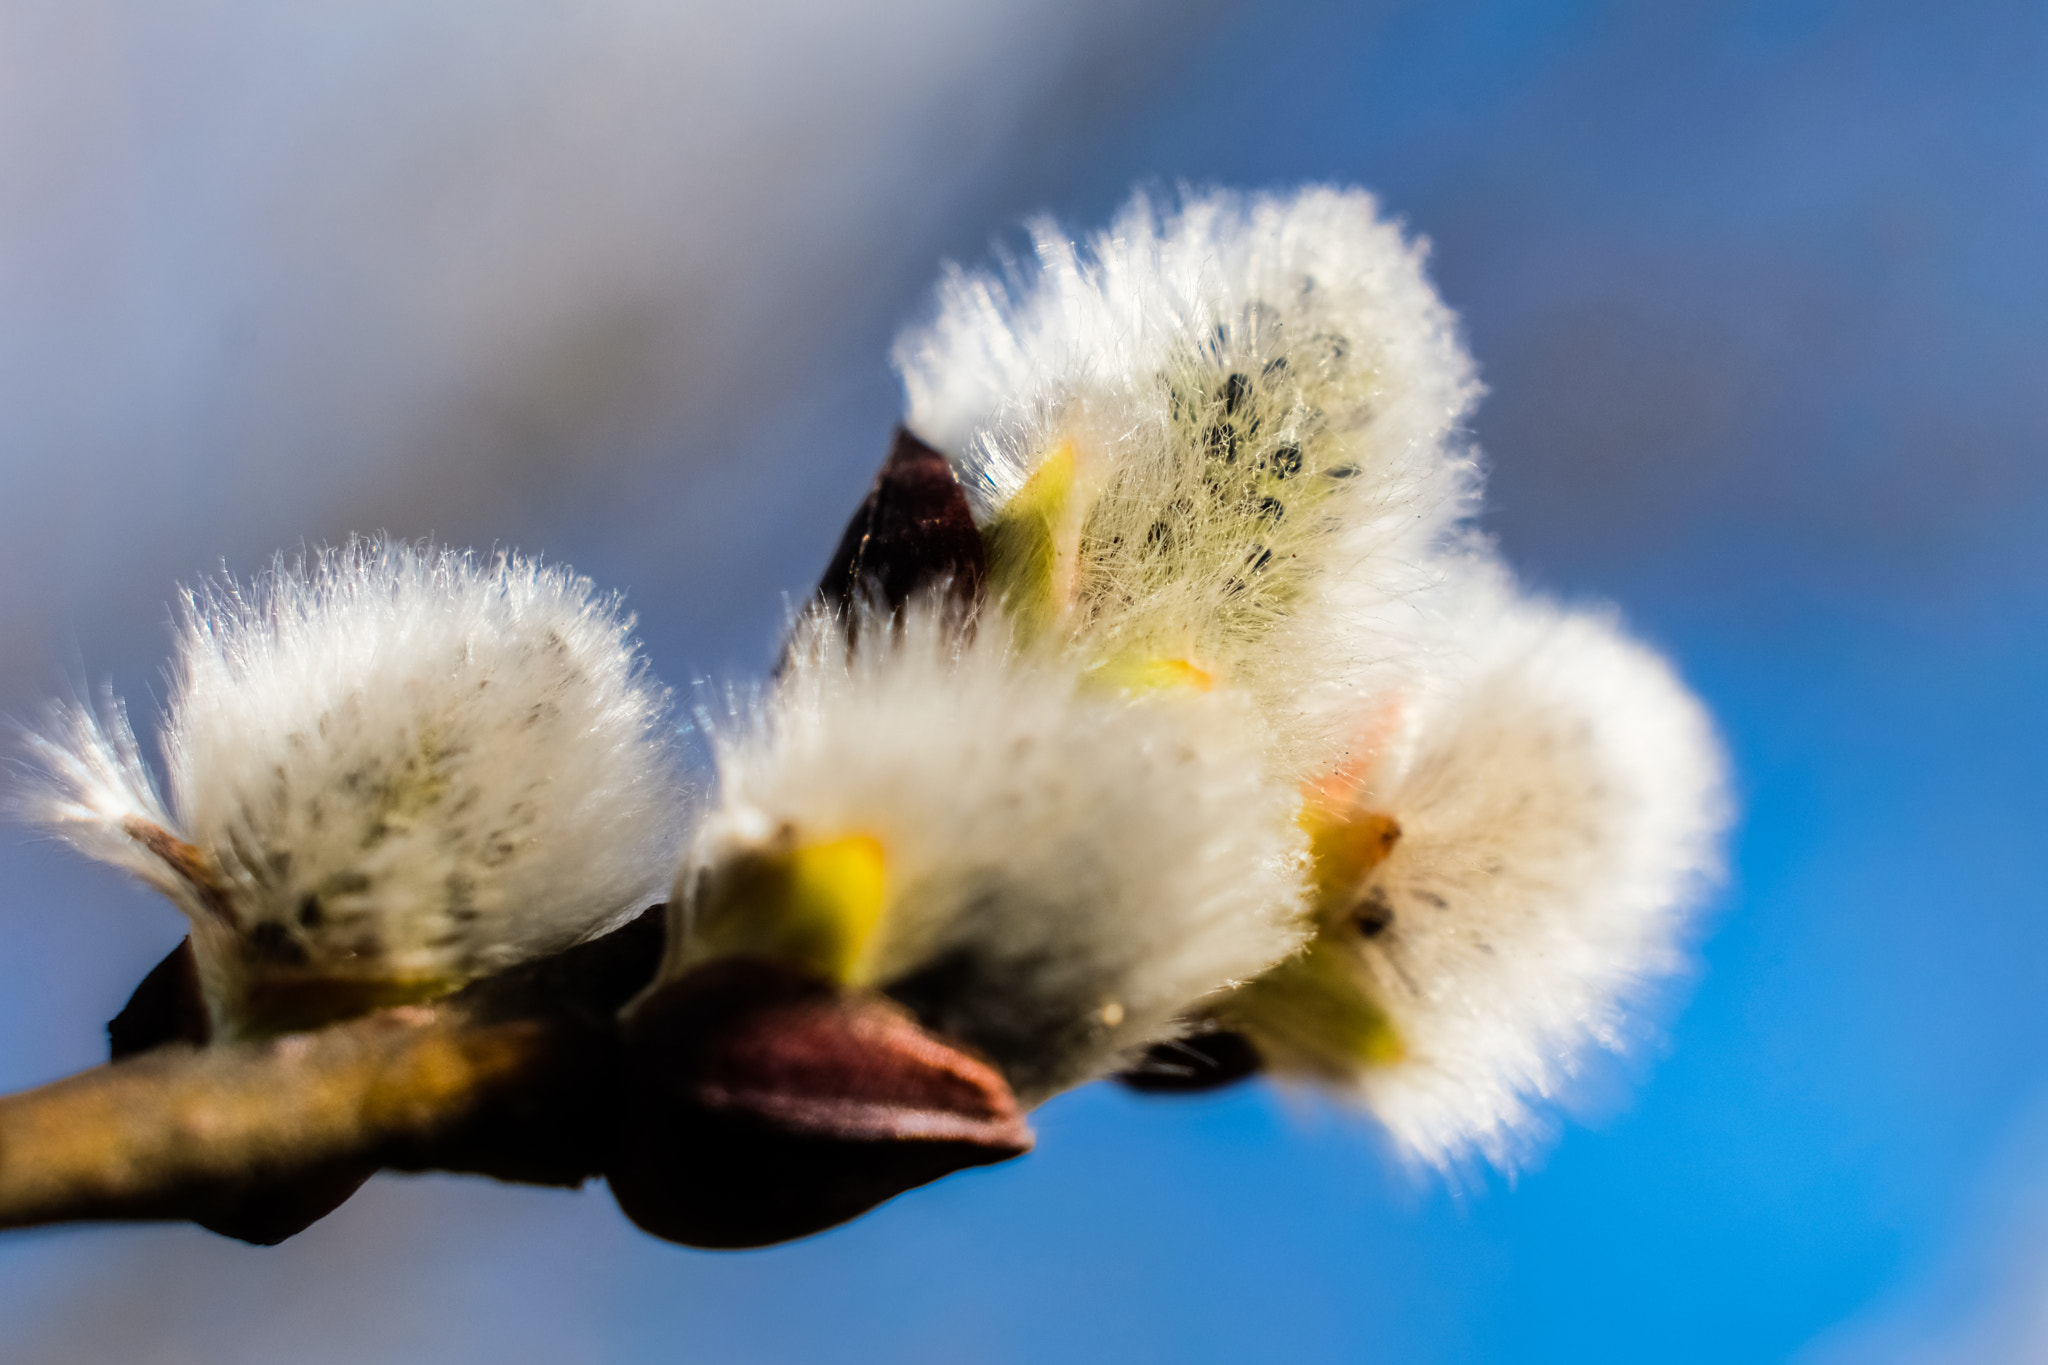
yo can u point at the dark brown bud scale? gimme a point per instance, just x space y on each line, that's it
763 1104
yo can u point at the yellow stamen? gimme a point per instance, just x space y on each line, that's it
1032 544
1315 1007
815 906
1150 673
1319 1006
1345 847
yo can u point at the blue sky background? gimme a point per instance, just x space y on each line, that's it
1760 295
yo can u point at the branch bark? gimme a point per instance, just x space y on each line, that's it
183 1132
514 1077
745 1103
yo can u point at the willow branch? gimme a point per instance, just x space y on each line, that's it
810 1103
514 1078
180 1131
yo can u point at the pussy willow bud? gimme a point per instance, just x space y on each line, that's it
1502 871
390 770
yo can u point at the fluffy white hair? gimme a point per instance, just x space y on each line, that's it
385 763
1069 869
1262 397
1561 797
1228 435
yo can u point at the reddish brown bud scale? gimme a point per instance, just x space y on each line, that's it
168 1007
913 532
764 1104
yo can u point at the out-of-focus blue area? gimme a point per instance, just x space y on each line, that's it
1760 296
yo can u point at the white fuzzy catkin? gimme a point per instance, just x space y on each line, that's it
1560 796
394 765
1235 429
1262 400
1068 868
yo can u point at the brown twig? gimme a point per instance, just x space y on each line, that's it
182 1131
514 1077
749 1103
